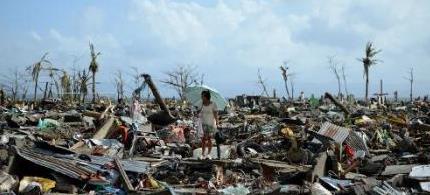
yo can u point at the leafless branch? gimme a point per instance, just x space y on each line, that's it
180 78
261 82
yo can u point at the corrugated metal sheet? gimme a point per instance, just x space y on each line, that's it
128 165
342 134
356 142
337 133
74 167
62 166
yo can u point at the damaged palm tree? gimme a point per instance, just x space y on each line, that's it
52 73
119 84
94 68
135 74
66 86
84 77
368 60
411 82
180 79
75 81
36 68
285 75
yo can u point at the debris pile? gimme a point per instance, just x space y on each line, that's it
265 145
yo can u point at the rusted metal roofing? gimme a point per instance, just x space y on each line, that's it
337 133
58 165
342 134
356 142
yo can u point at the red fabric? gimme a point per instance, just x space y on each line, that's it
349 151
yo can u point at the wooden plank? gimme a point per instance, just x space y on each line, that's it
103 114
77 145
123 175
285 167
397 169
105 129
91 114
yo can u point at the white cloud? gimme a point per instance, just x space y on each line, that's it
35 36
231 39
251 34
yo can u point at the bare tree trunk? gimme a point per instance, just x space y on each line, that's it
261 82
94 88
75 86
367 88
57 88
285 76
24 94
46 90
119 85
412 82
344 82
117 95
292 89
35 90
410 95
83 97
395 96
136 76
50 92
286 87
334 64
15 86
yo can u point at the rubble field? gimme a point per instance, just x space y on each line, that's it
268 146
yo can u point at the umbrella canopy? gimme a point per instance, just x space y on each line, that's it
193 95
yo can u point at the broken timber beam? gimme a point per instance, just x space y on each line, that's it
93 114
123 175
105 129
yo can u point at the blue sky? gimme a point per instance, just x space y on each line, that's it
228 41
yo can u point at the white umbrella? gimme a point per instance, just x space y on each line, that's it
194 96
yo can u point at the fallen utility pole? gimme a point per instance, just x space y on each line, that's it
157 95
337 103
165 116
